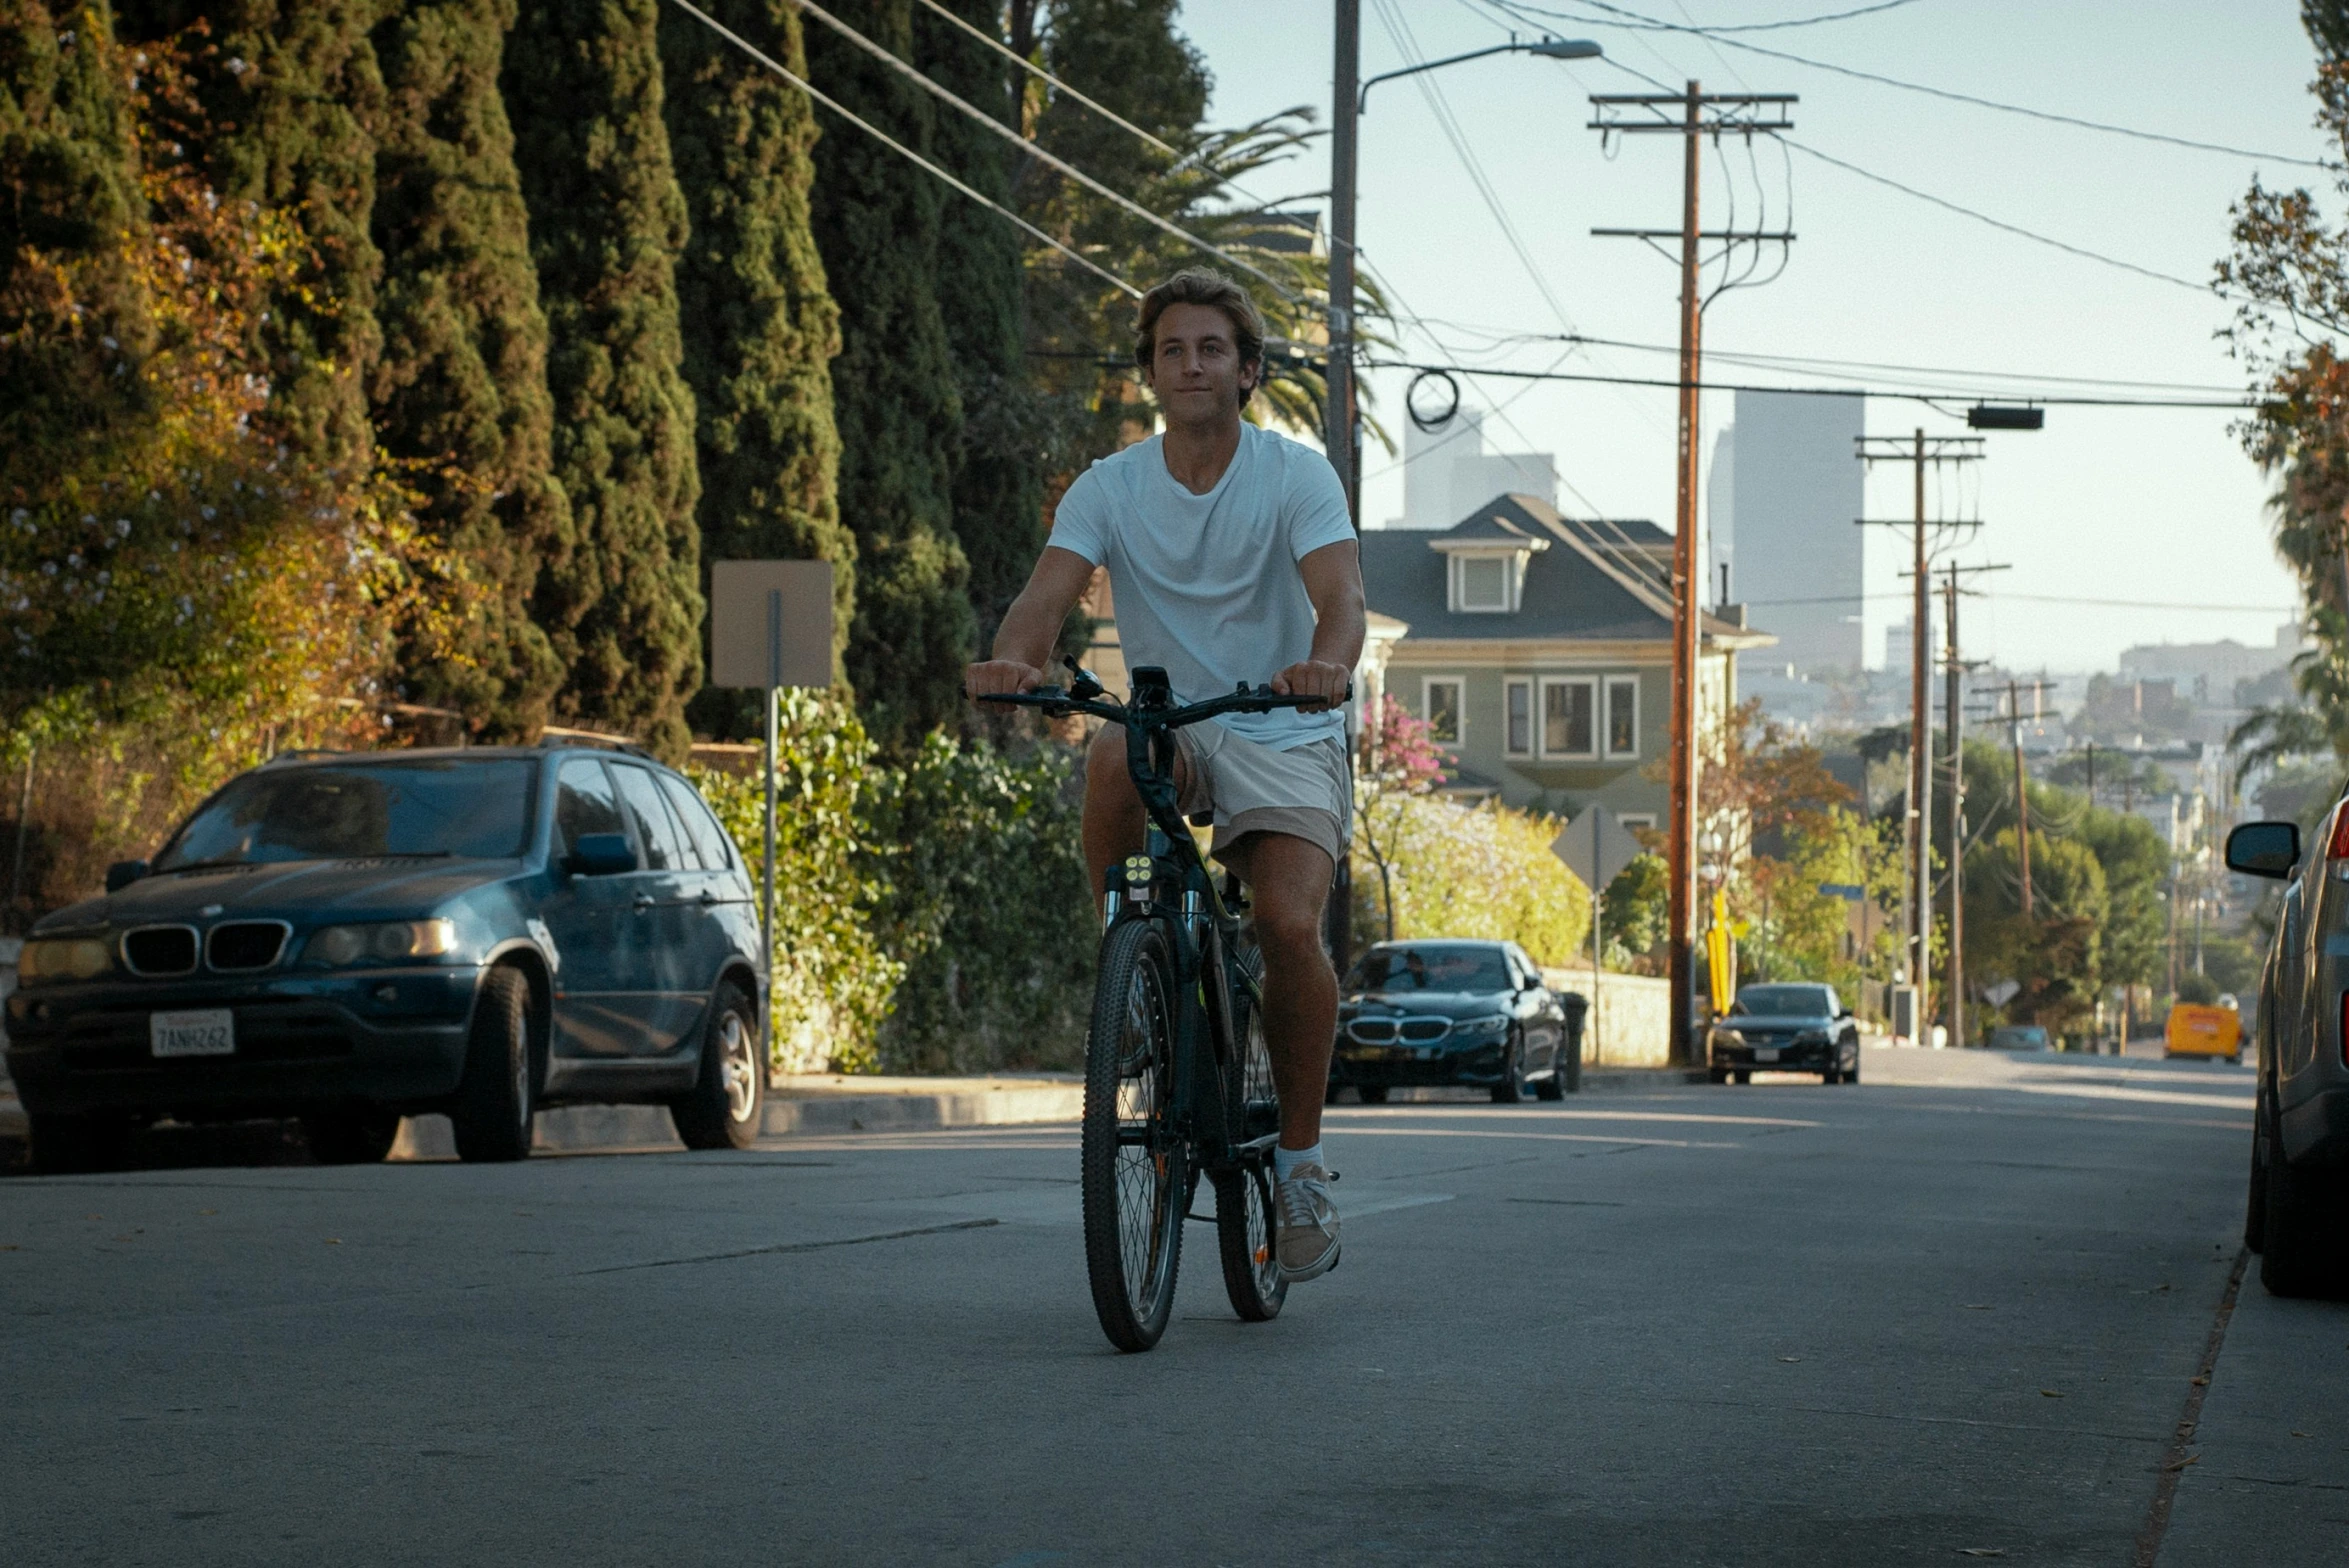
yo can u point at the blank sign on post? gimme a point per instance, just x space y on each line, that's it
770 623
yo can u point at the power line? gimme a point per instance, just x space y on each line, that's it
1640 23
1836 366
1399 32
1904 394
1042 75
2040 598
1996 223
900 148
1012 136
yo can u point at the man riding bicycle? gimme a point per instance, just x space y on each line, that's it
1230 552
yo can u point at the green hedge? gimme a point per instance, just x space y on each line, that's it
929 918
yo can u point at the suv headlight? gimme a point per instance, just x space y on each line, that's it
382 942
63 958
1492 1024
1722 1036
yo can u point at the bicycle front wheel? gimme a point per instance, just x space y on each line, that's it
1134 1162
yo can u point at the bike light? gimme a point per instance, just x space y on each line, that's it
384 942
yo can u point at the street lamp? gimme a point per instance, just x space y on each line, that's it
1547 48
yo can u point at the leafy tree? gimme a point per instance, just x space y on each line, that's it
1400 760
2288 274
1793 930
460 389
288 90
2053 953
622 604
759 323
876 220
1638 911
176 581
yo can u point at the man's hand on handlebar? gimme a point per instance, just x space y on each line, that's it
996 676
1331 683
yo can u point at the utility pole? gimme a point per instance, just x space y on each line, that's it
1338 424
1922 451
1953 669
1691 115
2013 692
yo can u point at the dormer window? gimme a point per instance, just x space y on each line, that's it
1484 567
1483 583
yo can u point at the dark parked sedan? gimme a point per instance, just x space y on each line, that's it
348 938
1453 1012
1785 1028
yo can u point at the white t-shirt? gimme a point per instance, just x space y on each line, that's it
1207 586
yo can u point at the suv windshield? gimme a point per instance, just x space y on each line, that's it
430 806
1785 1001
1430 969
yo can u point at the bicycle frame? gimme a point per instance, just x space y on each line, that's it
1170 882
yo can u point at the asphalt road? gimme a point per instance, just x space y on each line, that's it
1957 1310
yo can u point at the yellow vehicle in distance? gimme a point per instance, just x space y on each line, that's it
2204 1029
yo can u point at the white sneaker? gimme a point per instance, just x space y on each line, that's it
1308 1236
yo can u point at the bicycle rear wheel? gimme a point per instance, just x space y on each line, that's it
1134 1162
1244 1224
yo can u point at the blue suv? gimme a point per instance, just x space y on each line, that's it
351 937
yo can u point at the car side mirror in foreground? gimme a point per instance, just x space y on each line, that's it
2264 849
123 873
602 855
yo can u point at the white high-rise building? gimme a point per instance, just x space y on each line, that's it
1795 491
1447 473
1721 521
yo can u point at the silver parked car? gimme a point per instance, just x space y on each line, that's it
2299 1210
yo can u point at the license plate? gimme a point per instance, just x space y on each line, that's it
209 1031
1765 1053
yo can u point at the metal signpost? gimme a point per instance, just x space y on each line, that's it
1595 847
770 627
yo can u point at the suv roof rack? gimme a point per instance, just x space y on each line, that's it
557 735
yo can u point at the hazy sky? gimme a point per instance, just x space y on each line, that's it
2121 504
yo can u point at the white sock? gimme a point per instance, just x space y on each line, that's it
1286 1160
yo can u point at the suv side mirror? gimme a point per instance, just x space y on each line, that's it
123 873
602 855
2264 849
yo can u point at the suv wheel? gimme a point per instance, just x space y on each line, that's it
2255 1210
1511 1088
497 1100
722 1110
2300 1233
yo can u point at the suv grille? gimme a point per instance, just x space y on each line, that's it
160 950
245 944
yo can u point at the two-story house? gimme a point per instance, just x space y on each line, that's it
1539 647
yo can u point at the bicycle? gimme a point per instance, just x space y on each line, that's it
1178 1082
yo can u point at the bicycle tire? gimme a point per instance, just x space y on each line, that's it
1134 1192
1245 1226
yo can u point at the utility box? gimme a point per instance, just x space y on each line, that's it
1904 1013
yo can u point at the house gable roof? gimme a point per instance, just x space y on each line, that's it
1601 583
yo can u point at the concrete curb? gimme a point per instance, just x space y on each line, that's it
791 1111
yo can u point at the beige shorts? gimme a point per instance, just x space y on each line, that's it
1306 792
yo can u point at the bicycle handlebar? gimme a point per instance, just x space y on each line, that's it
1056 701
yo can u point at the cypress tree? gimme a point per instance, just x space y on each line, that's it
876 219
997 484
760 327
290 88
69 186
582 84
460 386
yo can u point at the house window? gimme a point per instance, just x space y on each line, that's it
1443 710
1623 717
1484 583
1638 822
1569 727
1519 696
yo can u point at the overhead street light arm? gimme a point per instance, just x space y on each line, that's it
1547 48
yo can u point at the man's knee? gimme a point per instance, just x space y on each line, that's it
1289 897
